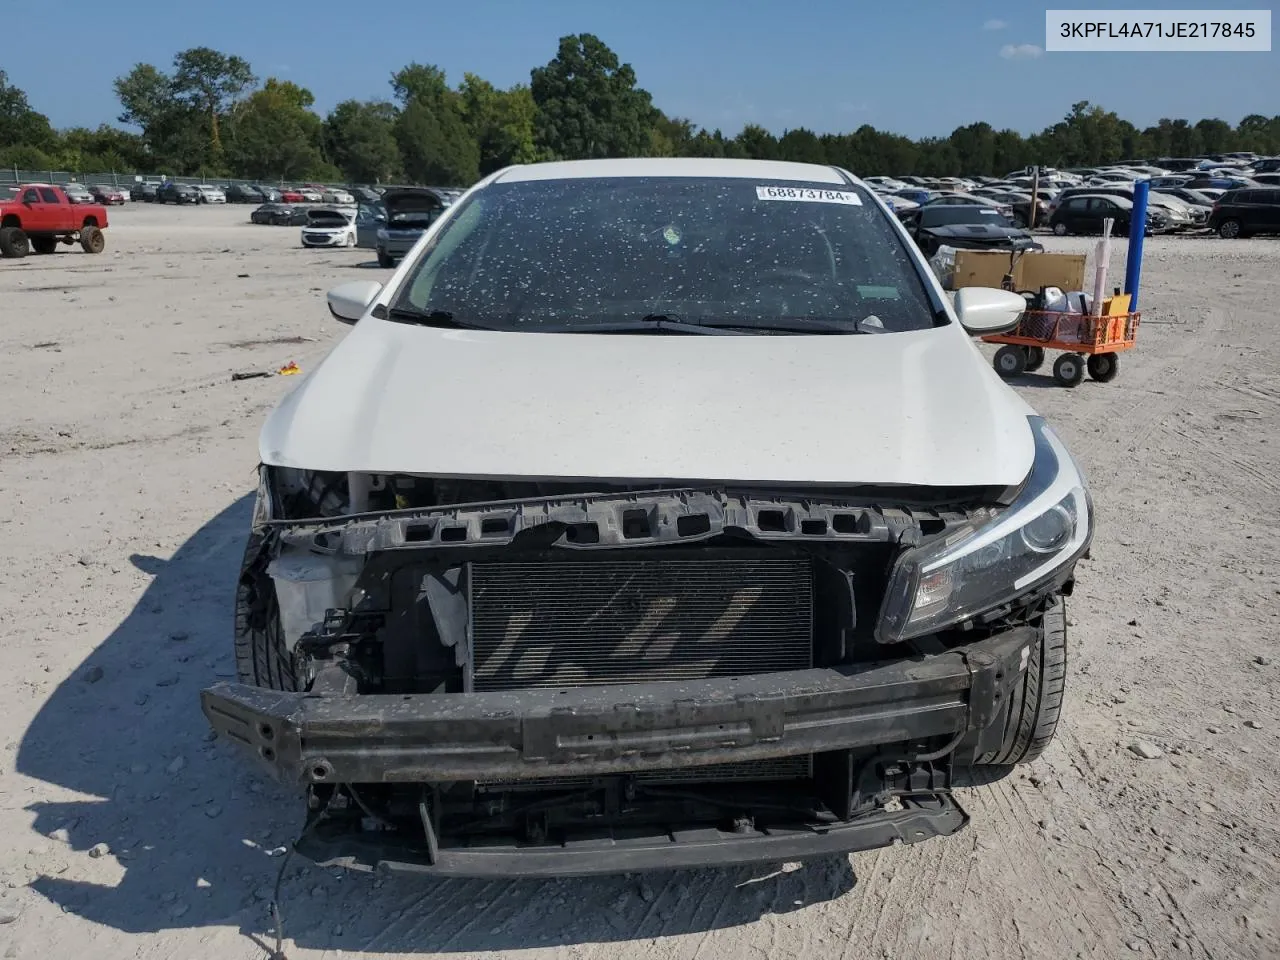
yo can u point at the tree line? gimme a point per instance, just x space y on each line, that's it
209 115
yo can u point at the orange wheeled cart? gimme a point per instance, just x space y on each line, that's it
1088 343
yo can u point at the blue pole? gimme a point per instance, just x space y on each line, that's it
1137 232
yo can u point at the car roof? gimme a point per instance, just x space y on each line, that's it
1101 196
672 167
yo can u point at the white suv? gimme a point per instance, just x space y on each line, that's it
654 513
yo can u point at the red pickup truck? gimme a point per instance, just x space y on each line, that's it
39 216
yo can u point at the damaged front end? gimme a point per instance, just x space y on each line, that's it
521 678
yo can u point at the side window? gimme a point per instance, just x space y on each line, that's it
48 196
1076 204
31 196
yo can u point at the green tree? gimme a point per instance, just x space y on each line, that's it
802 145
704 144
420 81
435 145
670 136
360 139
757 143
211 82
23 156
273 134
1216 136
975 145
588 103
500 121
104 149
1184 139
179 114
19 124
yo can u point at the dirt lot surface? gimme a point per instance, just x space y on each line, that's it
127 458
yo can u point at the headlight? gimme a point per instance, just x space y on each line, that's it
382 233
985 565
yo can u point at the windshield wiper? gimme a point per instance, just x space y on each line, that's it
650 323
786 324
432 318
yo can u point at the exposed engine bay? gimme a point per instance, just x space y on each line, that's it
525 592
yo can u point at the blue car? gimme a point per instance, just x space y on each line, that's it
916 196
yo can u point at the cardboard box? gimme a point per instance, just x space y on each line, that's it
1031 271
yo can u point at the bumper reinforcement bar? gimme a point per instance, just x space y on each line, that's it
579 731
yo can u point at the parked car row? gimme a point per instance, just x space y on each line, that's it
1186 194
307 193
390 226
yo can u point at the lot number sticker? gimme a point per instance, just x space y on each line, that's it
808 195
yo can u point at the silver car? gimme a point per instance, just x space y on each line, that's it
409 211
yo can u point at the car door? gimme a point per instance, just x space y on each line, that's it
33 210
1104 208
1096 210
1265 209
54 211
1072 213
369 220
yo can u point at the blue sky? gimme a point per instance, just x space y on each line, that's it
918 68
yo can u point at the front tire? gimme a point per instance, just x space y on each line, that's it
1229 230
263 658
44 245
14 243
1060 229
385 261
1036 700
1035 358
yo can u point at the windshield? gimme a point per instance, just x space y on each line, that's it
578 253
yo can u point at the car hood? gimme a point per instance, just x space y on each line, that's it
411 200
918 408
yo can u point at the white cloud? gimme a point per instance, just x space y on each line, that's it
1021 51
995 25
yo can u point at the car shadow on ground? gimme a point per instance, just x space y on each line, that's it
198 829
365 265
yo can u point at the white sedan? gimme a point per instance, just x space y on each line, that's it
329 228
339 196
210 194
569 358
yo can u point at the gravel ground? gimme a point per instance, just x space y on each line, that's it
127 459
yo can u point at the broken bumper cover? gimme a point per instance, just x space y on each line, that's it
618 729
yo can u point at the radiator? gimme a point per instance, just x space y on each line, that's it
579 622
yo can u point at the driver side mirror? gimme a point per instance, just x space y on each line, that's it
986 310
349 301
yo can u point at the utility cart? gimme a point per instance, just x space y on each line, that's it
1088 342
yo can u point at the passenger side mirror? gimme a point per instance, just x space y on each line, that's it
349 301
985 310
